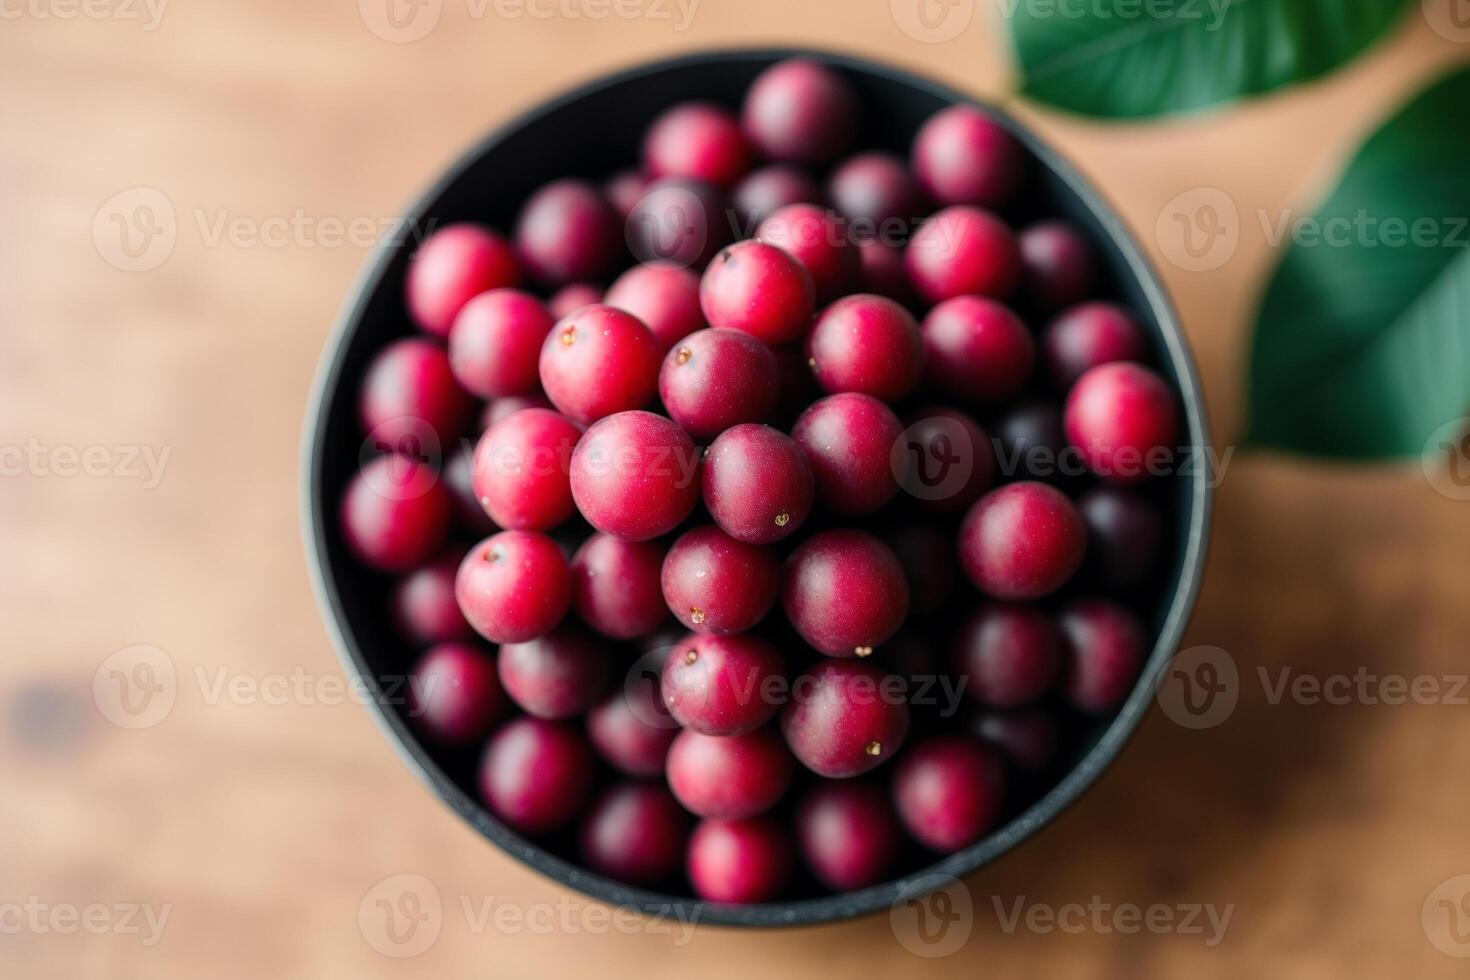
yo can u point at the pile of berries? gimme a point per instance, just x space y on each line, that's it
814 408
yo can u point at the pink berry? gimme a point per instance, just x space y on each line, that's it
555 676
522 469
1088 335
624 189
845 592
714 379
636 833
536 774
883 270
410 398
514 586
758 484
664 296
459 480
867 344
567 232
977 350
877 189
1023 541
1104 649
454 695
962 156
724 685
819 241
616 587
800 111
1122 417
635 475
680 221
716 584
951 459
770 189
845 718
729 777
760 289
454 265
698 141
849 439
599 361
949 790
1006 655
1060 265
500 408
424 607
963 251
571 298
739 861
633 730
1125 538
849 834
395 513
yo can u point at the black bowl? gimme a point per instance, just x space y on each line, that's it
607 116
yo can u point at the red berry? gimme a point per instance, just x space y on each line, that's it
1104 645
800 111
395 513
636 833
876 188
522 467
624 189
962 156
1028 737
770 189
569 299
454 265
845 718
664 296
845 592
1060 265
963 251
681 221
849 441
424 607
1006 655
1032 444
758 484
883 270
698 141
977 350
514 586
867 344
410 398
555 676
454 694
632 729
951 458
724 685
1122 417
740 861
714 379
599 361
536 774
819 241
501 408
1023 541
716 584
567 232
1125 538
849 834
760 289
635 475
616 587
949 790
459 480
1088 335
729 777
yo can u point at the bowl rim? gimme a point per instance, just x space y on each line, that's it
809 911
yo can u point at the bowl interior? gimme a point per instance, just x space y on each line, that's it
593 132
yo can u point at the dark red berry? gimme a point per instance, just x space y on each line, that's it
556 676
769 189
1060 265
514 586
927 554
1125 538
410 398
395 513
697 141
962 156
818 240
714 379
758 484
633 730
845 718
616 586
567 232
951 458
883 270
800 111
1104 649
571 298
636 832
522 470
454 265
949 790
739 861
716 584
1023 541
877 190
760 289
729 777
1122 417
849 834
1029 737
424 607
536 774
681 221
849 440
454 695
1088 335
664 296
1006 655
635 475
724 685
845 592
1032 444
868 344
599 361
963 251
977 350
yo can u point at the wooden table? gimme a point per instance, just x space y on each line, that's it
262 815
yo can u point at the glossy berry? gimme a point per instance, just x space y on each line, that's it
845 592
739 861
1006 655
454 694
729 777
849 835
495 344
951 458
635 475
757 484
963 251
977 350
949 790
867 344
849 440
760 289
410 398
679 221
962 156
724 685
845 718
624 189
882 270
768 190
1104 650
633 730
664 296
571 298
714 379
567 232
716 584
522 470
395 513
599 361
1122 417
424 607
1060 265
500 408
1023 541
514 586
697 141
615 586
1029 737
1088 335
459 480
876 190
454 265
636 832
1125 538
536 774
800 111
926 552
818 240
555 676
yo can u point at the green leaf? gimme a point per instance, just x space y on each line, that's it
1362 347
1132 59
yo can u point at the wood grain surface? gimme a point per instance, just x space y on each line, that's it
262 812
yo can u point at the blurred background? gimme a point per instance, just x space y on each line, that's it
152 398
